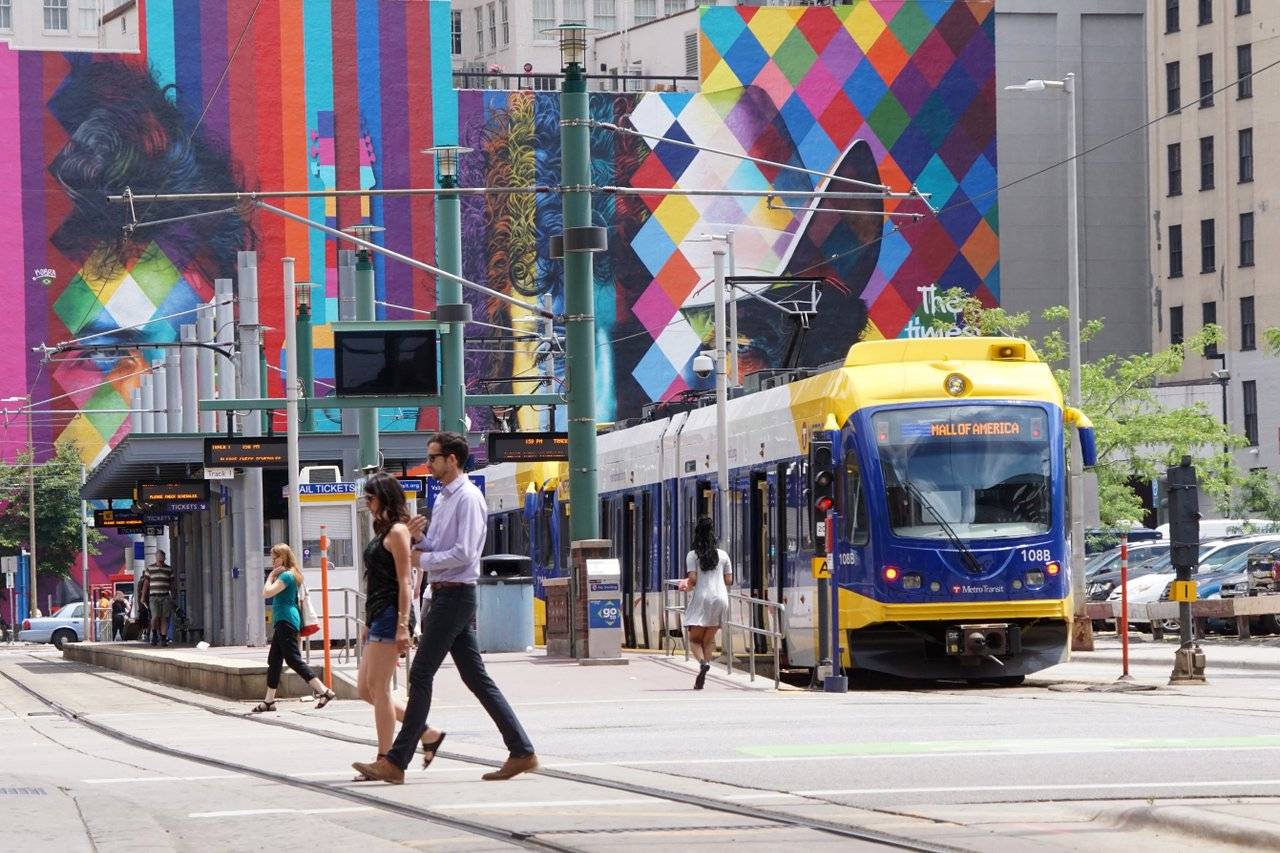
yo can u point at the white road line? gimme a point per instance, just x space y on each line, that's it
132 779
256 812
977 789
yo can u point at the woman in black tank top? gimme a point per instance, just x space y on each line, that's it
388 573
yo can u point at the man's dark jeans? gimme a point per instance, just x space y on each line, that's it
446 629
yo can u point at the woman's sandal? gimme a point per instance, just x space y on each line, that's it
429 750
263 707
360 777
325 698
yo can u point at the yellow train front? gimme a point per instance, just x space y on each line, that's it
942 462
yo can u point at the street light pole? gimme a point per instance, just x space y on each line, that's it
1082 635
306 353
579 240
450 308
366 296
291 407
722 398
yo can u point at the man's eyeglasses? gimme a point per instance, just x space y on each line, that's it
434 456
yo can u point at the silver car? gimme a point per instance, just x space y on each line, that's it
64 626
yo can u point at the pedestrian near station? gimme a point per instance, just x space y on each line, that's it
282 588
710 573
388 609
159 576
450 562
119 608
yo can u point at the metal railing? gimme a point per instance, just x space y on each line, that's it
540 82
768 611
673 613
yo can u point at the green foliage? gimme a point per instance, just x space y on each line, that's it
1137 437
57 510
1272 337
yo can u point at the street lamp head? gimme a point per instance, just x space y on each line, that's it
447 159
1221 375
1029 86
302 296
573 44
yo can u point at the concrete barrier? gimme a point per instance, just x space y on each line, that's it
228 677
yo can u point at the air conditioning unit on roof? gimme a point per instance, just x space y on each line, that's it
320 474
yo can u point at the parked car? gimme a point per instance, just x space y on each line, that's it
1212 555
64 626
1100 539
1261 576
1103 573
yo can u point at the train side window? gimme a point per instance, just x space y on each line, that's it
802 490
856 523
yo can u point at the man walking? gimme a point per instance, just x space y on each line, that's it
159 582
450 562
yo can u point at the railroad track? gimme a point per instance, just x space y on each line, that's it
529 840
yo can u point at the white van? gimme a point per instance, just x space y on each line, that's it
1215 528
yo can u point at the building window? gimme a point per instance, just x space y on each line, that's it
1245 166
1175 255
1206 80
544 18
1171 24
1208 260
55 16
6 15
1248 329
504 5
1173 86
1250 392
575 11
1244 71
670 7
479 30
1246 239
1244 7
645 11
457 32
1206 12
1175 168
1175 326
493 26
88 17
606 15
1209 317
1206 163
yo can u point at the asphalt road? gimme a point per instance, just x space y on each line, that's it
983 769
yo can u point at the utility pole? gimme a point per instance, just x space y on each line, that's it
580 239
451 312
722 398
366 295
251 481
31 508
306 359
291 408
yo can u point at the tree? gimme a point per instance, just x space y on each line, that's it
57 509
1138 438
1272 337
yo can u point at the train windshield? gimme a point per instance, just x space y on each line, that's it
975 472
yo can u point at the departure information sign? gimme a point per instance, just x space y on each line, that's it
246 452
121 520
178 491
1004 422
528 447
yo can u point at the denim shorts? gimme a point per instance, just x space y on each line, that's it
382 628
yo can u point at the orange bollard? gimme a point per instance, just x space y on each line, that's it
1123 627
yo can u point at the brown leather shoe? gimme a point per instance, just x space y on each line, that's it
381 770
513 766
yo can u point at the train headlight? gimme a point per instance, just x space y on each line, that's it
955 384
934 586
912 581
1035 578
1017 584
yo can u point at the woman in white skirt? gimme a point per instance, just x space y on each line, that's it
709 576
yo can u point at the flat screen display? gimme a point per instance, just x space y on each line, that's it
384 363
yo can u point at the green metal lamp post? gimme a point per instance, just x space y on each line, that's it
369 452
306 361
580 239
451 312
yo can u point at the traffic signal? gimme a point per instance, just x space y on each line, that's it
822 486
1184 515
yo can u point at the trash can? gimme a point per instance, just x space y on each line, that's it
504 603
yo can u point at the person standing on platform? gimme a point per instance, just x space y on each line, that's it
388 596
282 588
119 608
710 575
450 561
159 577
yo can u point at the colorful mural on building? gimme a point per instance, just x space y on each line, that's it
319 94
899 93
228 95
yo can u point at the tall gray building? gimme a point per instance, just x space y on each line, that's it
1102 42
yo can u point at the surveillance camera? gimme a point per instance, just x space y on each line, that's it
703 365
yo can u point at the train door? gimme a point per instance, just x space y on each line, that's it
759 532
644 524
630 569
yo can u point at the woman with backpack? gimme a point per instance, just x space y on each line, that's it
709 576
282 588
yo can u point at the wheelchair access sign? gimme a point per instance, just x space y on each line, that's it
604 613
